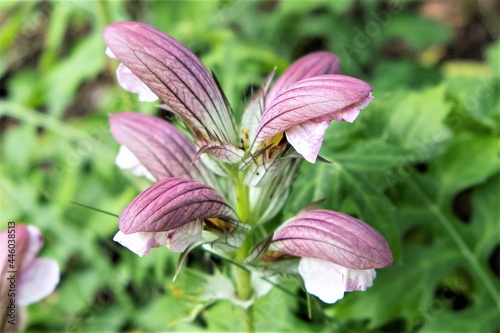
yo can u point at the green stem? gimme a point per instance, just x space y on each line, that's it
457 238
242 199
244 277
104 14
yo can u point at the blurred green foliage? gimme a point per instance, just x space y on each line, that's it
421 163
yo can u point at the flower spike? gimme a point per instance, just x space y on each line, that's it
333 252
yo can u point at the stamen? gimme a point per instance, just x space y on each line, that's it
272 256
270 145
245 139
218 225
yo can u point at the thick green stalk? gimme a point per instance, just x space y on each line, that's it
242 199
244 281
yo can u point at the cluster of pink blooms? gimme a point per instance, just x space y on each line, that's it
196 175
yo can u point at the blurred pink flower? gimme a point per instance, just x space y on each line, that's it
26 279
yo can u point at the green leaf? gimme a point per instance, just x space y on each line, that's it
393 74
429 32
403 291
484 227
19 146
275 312
166 312
78 290
55 34
372 155
446 228
272 312
224 317
418 121
85 61
25 88
481 316
112 318
13 23
467 161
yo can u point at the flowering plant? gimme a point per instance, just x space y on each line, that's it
218 185
27 278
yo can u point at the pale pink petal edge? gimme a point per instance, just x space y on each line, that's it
37 280
142 242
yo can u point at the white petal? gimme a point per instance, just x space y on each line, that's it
329 281
182 236
211 165
323 279
126 160
221 287
110 53
37 280
359 279
141 242
34 246
130 82
261 174
307 137
225 152
351 114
